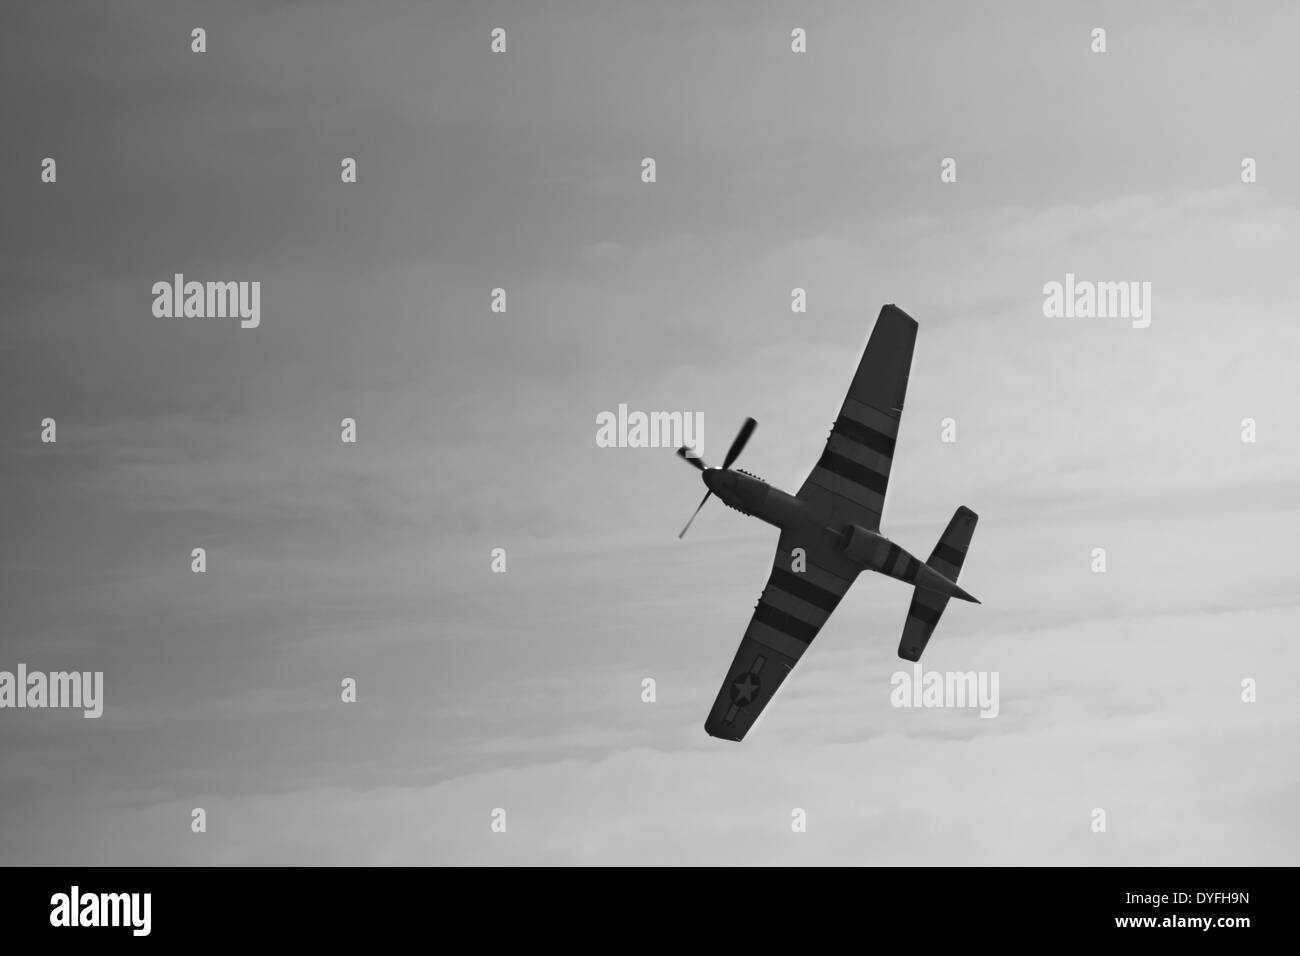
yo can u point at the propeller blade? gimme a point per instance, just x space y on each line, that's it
737 446
697 511
691 457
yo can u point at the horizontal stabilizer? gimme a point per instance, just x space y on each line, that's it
927 604
950 553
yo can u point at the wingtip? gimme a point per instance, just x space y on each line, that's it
716 734
890 308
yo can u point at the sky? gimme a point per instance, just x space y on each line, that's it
476 430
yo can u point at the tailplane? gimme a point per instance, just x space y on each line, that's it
933 590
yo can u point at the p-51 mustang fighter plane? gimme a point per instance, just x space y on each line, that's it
830 532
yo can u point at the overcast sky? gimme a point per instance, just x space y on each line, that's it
477 430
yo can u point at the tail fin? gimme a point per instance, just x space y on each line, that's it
928 605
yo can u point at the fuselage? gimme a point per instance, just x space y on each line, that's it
866 549
753 496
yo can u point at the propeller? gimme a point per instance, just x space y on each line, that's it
692 458
697 511
737 446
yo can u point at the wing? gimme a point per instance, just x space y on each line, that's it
847 485
792 609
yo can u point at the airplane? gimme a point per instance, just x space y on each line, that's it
830 533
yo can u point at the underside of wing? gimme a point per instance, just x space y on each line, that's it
804 588
849 481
